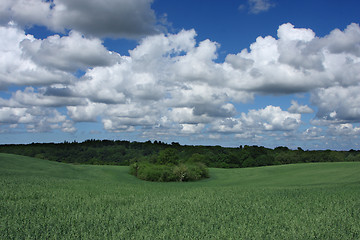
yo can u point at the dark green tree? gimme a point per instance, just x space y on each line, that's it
168 156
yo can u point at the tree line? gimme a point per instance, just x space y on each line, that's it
125 153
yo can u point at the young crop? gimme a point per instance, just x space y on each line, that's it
40 199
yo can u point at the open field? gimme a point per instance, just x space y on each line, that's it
40 199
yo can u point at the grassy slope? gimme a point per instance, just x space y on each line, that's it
48 200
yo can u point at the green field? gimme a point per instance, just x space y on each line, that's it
40 199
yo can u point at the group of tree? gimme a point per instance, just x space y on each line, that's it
167 167
127 153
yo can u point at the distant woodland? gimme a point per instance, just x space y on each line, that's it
125 153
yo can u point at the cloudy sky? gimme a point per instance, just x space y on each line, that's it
230 73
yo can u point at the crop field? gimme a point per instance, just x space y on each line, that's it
40 199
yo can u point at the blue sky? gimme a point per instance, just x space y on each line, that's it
230 73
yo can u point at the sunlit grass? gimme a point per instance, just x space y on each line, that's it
48 200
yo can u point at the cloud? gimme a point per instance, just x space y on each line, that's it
25 60
296 47
346 129
296 108
86 113
29 97
24 12
107 18
346 41
226 110
270 118
159 80
337 104
10 115
18 69
186 115
128 117
69 53
170 84
287 32
313 133
258 6
192 128
296 62
35 119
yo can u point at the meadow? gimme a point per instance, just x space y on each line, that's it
41 199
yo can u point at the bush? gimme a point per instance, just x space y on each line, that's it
169 173
152 172
197 171
180 172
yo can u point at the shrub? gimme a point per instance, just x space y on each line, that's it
153 172
180 172
169 173
197 171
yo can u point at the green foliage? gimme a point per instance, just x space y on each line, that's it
249 162
49 200
196 157
106 152
170 172
190 172
181 172
168 156
196 171
153 172
167 168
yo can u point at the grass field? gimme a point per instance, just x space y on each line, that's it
40 199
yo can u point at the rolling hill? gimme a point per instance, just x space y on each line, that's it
41 199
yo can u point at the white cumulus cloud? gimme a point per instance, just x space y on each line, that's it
18 69
297 108
172 84
35 119
345 129
106 18
270 118
69 53
338 104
